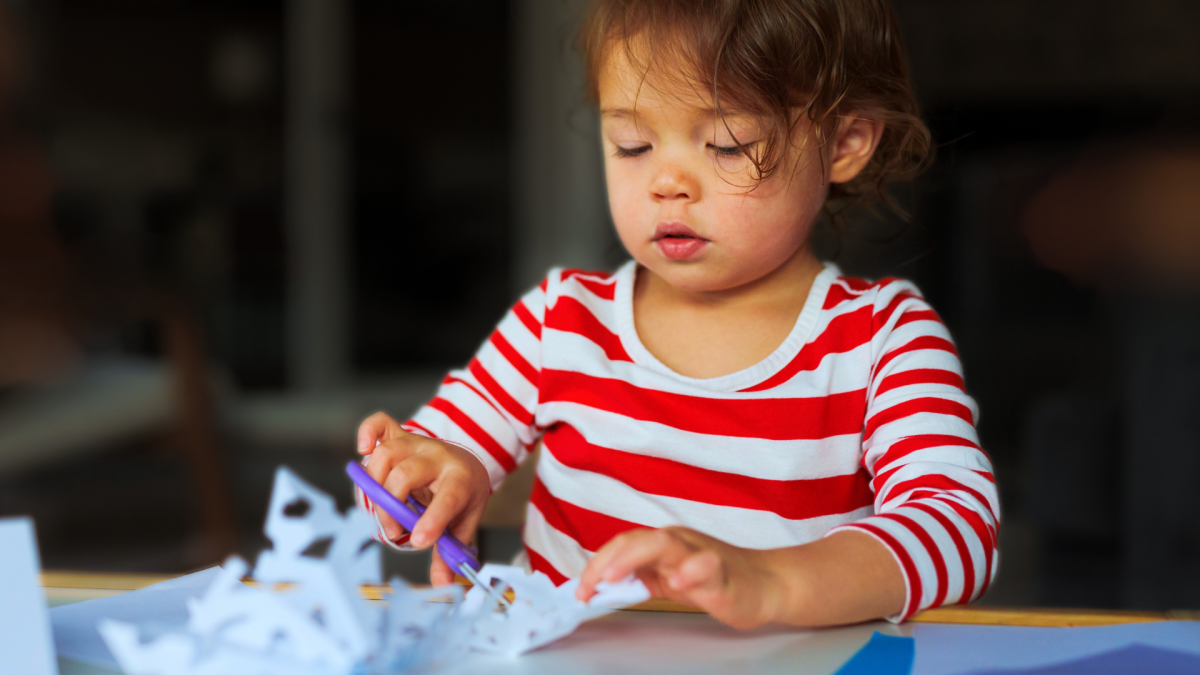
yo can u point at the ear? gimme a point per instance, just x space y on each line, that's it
852 147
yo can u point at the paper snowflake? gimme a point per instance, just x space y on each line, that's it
307 615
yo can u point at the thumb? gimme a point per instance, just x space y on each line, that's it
701 578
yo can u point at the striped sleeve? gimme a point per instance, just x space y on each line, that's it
935 499
488 406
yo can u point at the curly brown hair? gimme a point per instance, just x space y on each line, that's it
778 60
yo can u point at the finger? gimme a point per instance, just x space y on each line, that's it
391 529
370 431
700 570
403 478
385 458
658 548
440 573
653 583
378 466
375 428
411 474
467 524
593 572
447 504
465 527
701 581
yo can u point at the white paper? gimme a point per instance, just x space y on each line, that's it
159 609
25 643
233 628
306 614
325 587
541 613
954 649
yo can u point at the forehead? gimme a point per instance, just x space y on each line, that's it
632 81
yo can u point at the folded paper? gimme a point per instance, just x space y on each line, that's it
306 614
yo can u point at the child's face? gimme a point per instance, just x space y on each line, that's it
679 188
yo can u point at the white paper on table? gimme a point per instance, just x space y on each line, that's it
954 649
542 612
306 616
25 643
159 609
319 624
253 651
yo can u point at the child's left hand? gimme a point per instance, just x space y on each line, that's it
732 584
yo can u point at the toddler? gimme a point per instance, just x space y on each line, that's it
738 424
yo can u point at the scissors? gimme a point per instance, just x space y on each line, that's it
459 556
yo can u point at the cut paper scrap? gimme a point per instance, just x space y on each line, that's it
882 655
541 612
307 616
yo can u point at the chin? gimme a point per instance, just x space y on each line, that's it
697 276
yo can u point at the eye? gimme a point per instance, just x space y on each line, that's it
727 151
632 152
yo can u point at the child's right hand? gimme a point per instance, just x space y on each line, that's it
450 480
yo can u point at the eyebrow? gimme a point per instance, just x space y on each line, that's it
617 112
629 112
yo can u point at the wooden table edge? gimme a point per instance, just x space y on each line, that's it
1035 616
957 614
112 581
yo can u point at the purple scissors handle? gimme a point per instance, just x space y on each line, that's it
456 554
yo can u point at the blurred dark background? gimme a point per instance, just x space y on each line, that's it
231 229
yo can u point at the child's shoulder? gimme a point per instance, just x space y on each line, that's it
845 290
570 281
889 311
881 307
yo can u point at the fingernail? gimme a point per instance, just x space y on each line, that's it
418 540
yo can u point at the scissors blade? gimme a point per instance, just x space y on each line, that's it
496 596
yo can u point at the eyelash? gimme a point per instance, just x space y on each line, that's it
726 151
631 152
723 151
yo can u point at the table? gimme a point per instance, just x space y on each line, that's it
662 637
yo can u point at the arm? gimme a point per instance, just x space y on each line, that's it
462 444
936 504
844 578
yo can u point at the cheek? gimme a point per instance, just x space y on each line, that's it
626 199
767 227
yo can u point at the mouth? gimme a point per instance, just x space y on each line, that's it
675 230
678 241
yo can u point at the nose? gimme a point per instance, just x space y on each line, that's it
674 183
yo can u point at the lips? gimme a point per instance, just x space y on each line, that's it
678 241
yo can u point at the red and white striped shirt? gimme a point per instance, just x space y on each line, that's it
859 420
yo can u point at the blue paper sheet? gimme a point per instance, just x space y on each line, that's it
882 655
1135 659
956 650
